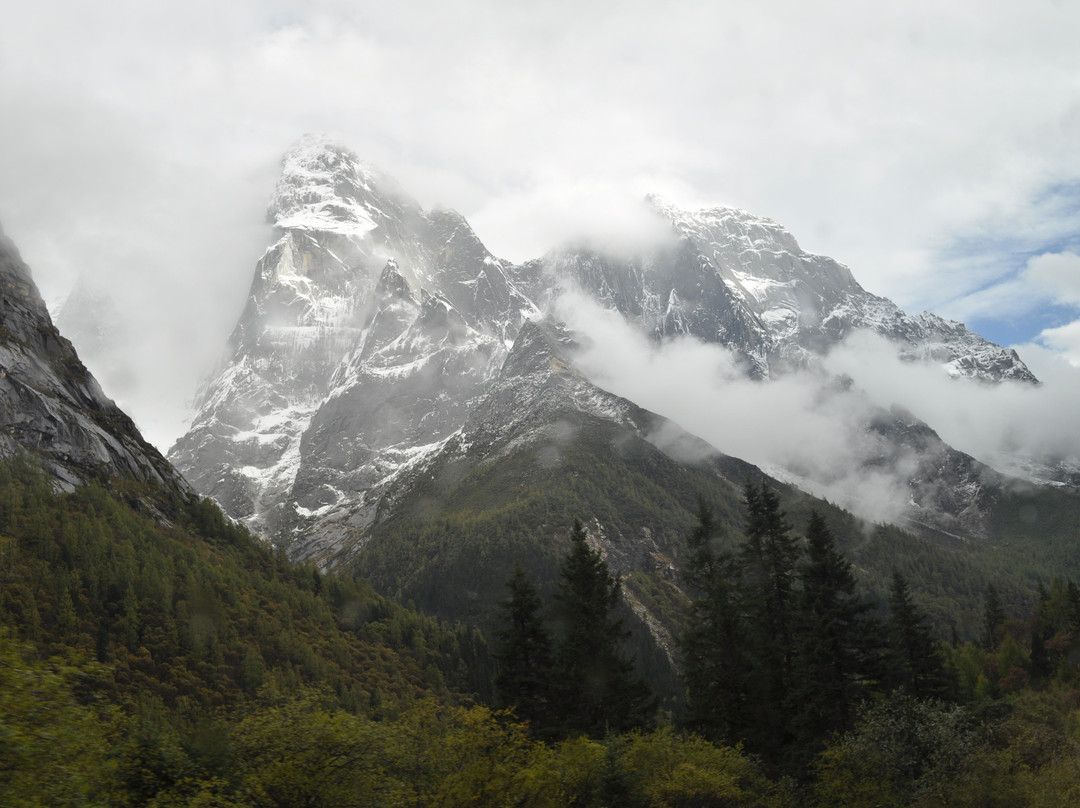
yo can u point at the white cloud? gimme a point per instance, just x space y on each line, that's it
996 424
1046 278
139 139
600 215
796 427
804 428
1002 301
1064 341
1057 273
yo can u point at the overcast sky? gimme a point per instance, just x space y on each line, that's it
932 147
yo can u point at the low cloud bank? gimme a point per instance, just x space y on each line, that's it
998 424
807 428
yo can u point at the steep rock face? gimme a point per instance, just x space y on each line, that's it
51 406
534 397
369 328
674 291
536 385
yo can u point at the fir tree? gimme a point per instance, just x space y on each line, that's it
915 662
524 654
769 558
837 647
596 691
713 648
1041 667
1043 629
993 617
1074 605
768 563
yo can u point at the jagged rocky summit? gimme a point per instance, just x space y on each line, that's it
51 406
371 329
742 281
380 339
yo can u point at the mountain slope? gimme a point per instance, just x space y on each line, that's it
190 610
51 406
198 613
542 447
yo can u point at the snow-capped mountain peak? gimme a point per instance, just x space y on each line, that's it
376 332
723 224
369 318
325 187
742 280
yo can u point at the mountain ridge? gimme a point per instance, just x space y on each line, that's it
373 328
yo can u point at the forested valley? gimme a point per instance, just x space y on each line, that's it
153 653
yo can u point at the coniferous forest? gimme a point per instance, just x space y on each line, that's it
152 653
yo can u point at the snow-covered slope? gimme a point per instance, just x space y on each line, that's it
378 336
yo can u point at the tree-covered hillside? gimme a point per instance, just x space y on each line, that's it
454 538
154 654
198 613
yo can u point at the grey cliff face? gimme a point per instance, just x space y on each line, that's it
379 339
51 406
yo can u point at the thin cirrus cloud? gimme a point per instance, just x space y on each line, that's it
141 140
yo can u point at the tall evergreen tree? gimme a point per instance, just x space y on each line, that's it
837 647
1041 666
768 564
915 662
524 655
769 559
713 648
1047 621
993 617
596 691
1074 605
